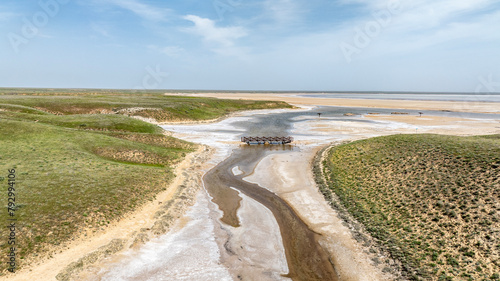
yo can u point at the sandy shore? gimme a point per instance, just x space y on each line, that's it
469 106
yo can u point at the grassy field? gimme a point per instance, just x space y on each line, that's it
79 169
154 105
432 201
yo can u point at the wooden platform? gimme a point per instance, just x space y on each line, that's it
269 140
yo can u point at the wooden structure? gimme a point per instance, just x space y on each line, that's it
269 140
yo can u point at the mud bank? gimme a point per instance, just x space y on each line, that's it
307 260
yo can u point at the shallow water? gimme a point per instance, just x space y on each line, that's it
484 97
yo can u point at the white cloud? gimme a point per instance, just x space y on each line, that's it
144 11
222 36
283 12
434 14
421 14
422 24
483 29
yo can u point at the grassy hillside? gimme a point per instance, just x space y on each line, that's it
432 201
150 105
78 169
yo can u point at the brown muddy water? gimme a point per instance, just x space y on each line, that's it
307 260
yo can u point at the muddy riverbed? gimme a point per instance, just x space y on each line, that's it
307 260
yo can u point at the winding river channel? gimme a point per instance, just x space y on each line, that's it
307 260
260 216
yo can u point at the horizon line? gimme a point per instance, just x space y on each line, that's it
190 91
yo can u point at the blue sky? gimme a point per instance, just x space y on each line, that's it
315 45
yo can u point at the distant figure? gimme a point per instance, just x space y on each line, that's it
420 114
319 115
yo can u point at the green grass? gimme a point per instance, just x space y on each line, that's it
78 169
70 180
431 200
103 122
145 104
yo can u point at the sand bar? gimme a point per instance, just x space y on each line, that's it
469 106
